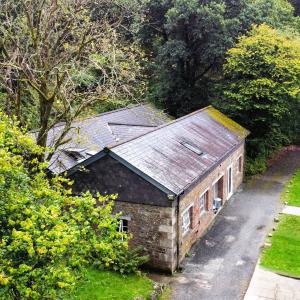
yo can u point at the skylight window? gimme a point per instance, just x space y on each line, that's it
193 148
75 153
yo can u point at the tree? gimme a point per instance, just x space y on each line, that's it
47 235
57 58
261 88
187 47
189 39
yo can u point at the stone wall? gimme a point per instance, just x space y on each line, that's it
154 228
200 223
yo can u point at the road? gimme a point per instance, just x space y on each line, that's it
223 261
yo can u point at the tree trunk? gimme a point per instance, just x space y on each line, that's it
45 111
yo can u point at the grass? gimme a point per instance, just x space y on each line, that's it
291 193
100 285
166 294
284 255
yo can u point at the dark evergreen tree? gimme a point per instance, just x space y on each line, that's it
188 39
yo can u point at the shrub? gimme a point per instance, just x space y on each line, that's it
255 166
46 234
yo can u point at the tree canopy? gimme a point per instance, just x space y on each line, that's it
57 59
262 88
188 41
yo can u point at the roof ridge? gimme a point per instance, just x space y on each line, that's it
130 106
97 115
160 127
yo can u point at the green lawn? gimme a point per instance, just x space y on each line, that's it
110 285
292 191
284 254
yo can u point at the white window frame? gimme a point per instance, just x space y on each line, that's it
121 225
203 206
229 194
186 226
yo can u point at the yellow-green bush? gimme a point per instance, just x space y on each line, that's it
46 234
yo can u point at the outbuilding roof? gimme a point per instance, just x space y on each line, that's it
91 135
176 154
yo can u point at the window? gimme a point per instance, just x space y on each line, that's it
216 190
204 202
192 147
240 162
123 226
229 181
186 220
75 153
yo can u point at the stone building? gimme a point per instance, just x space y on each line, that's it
172 177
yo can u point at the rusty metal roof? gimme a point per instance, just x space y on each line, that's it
92 134
174 155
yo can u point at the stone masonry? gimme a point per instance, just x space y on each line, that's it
154 228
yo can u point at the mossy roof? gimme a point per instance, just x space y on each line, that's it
178 153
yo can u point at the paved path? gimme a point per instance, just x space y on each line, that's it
266 285
224 260
291 210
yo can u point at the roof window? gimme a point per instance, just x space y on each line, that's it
75 153
192 147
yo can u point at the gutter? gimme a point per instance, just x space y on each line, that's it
177 232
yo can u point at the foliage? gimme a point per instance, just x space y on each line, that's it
188 41
188 44
262 88
284 255
57 59
255 166
111 285
291 193
46 234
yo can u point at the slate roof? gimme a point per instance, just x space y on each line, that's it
165 155
92 134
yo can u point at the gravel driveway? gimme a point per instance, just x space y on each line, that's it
222 262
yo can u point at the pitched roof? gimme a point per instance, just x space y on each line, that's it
91 135
174 155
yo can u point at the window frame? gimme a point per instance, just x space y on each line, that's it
229 194
204 208
188 226
122 226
